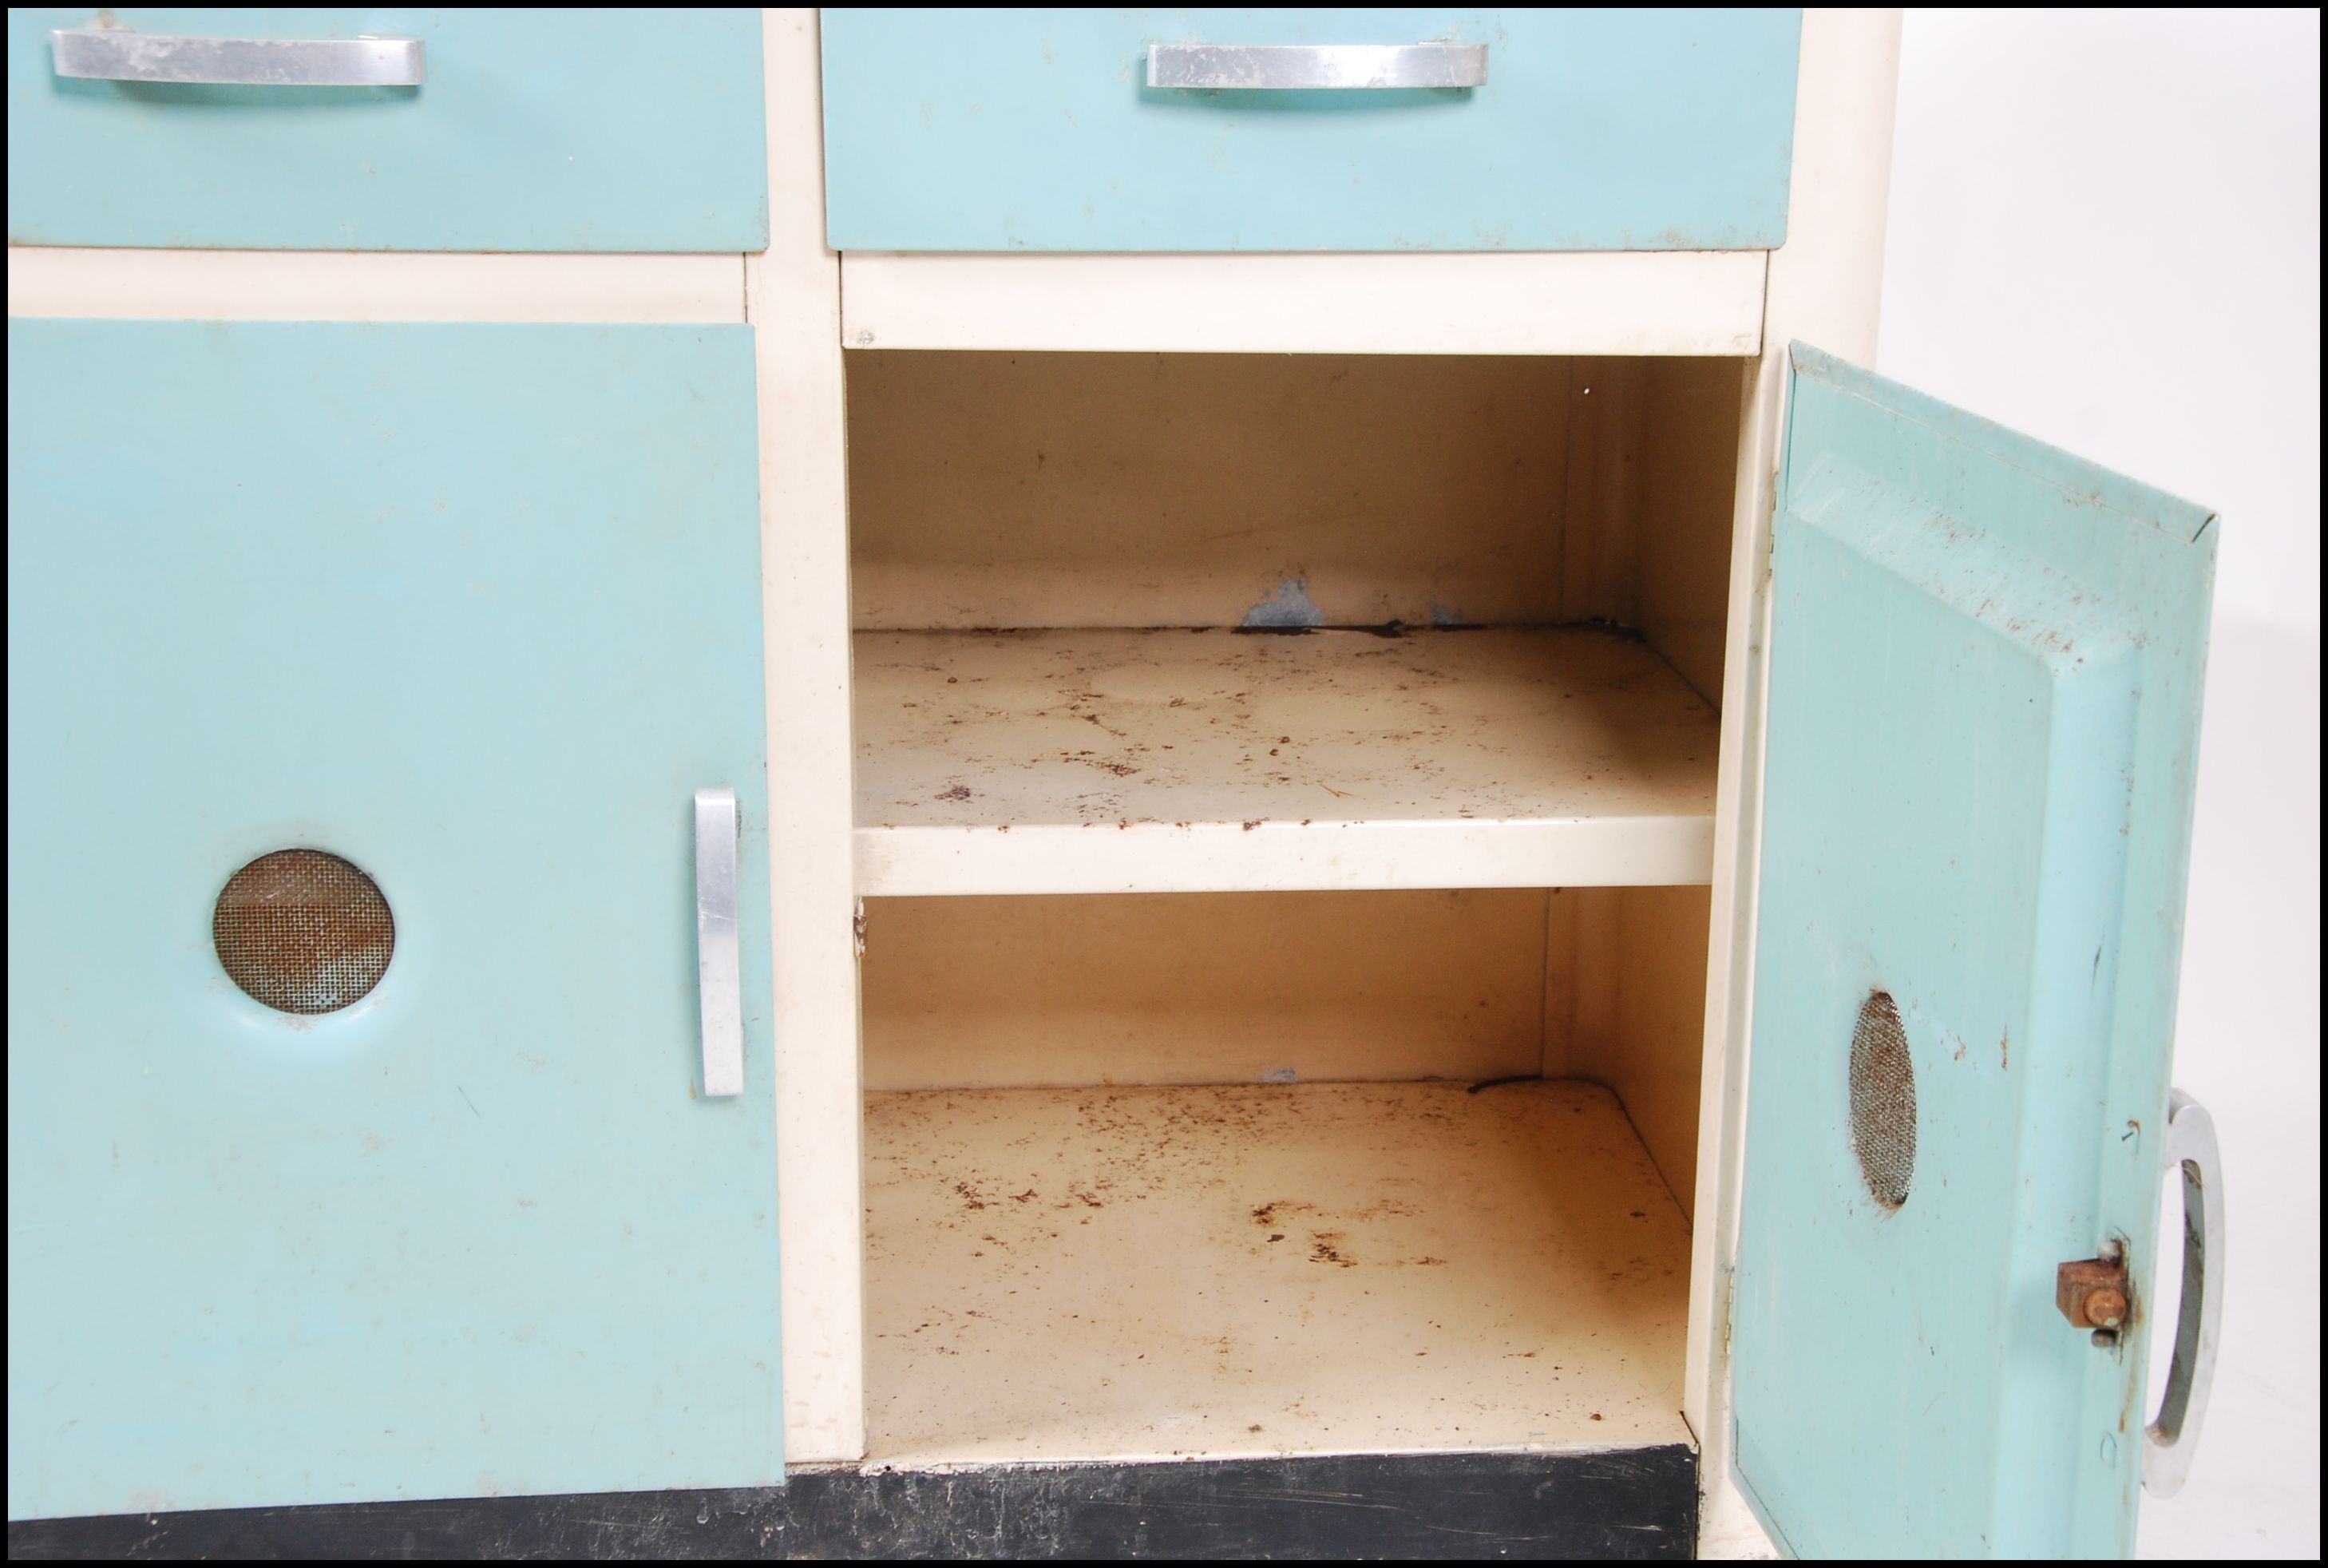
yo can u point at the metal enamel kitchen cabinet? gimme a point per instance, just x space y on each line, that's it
1053 783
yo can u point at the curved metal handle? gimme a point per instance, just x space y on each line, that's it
2168 1441
117 54
1247 66
719 968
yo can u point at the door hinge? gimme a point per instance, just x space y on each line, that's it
856 928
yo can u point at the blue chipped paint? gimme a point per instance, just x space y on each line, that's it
1290 606
1279 1075
1446 616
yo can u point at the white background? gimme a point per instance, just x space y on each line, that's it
2105 230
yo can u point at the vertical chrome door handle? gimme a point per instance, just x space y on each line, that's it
118 54
718 968
2190 1153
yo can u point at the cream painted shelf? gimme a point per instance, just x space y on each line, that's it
1176 761
1116 1274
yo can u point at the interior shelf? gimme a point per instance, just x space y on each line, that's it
1130 1273
1186 761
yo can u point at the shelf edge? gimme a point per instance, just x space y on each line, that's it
1630 851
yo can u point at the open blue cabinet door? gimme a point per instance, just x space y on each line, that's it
478 609
1984 665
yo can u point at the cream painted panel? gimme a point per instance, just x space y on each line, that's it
1139 490
1690 421
1201 989
1638 970
1150 490
1674 302
796 296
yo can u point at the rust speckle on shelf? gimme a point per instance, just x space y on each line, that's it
1325 1248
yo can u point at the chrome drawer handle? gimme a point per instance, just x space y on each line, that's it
2190 1153
1277 67
115 54
718 968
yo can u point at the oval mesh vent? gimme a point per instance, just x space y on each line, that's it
302 931
1882 1101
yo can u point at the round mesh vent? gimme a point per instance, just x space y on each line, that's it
302 931
1882 1101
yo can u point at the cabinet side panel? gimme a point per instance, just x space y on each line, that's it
1641 953
1689 489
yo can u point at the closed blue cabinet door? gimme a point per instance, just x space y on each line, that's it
478 609
1984 668
576 130
1036 130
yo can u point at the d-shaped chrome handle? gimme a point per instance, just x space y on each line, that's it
117 54
1277 67
719 968
2191 1152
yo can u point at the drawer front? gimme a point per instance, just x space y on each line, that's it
478 609
1035 130
534 130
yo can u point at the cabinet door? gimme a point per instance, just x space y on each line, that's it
478 609
1984 665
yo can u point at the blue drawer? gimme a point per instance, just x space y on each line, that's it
535 130
1035 130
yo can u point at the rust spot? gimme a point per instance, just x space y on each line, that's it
2093 1293
958 793
1323 1250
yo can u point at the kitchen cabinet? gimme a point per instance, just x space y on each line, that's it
1383 852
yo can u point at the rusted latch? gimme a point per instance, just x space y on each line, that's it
2094 1294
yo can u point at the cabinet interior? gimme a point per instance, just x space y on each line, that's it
1315 1152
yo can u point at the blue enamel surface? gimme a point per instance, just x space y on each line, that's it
1034 130
573 130
1984 670
478 608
